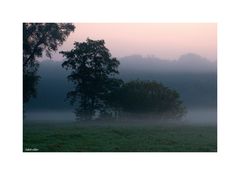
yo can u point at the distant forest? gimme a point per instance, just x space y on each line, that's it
197 87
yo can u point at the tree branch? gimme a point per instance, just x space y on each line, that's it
34 50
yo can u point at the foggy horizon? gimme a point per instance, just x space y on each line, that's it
162 40
59 58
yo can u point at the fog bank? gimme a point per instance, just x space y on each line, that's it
194 116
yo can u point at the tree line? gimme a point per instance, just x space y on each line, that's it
97 92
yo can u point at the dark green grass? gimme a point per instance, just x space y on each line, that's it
119 137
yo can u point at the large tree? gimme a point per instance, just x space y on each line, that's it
93 71
40 38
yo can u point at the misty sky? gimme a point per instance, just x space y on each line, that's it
163 40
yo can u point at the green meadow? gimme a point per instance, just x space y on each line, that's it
118 137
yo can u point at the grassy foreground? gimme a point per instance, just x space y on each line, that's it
108 137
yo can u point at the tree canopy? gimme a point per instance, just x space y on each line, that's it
92 72
43 37
148 97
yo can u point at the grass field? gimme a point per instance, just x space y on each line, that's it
119 137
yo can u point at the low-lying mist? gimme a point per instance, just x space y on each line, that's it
193 116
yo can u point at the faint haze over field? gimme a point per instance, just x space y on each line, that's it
163 40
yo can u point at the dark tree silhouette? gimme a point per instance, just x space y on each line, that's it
30 80
92 72
43 37
147 99
39 38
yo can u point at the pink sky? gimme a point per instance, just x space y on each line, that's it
164 40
